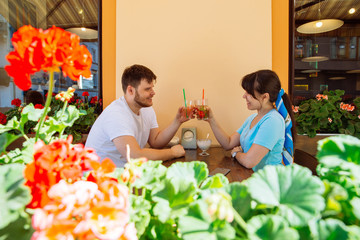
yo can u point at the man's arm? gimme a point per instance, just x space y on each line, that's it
152 154
159 139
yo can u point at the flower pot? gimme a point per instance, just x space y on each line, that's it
309 145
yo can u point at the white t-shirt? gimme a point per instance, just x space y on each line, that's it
119 120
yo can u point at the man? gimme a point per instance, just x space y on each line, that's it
131 120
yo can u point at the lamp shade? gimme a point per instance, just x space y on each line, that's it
320 26
84 33
311 71
315 59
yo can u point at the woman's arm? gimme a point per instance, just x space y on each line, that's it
226 141
252 157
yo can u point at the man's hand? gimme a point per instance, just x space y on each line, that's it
177 151
181 115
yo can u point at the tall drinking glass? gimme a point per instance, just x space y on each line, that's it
202 109
188 110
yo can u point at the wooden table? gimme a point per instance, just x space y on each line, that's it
218 158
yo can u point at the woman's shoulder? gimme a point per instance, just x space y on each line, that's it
274 116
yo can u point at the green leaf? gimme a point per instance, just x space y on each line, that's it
139 213
241 199
197 224
173 198
194 171
152 174
216 181
6 139
13 194
158 230
10 125
292 189
331 229
20 229
342 147
270 227
69 117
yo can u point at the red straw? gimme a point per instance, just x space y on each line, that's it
203 99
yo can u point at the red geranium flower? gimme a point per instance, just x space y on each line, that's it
38 106
53 162
3 119
94 100
47 50
53 94
16 102
85 94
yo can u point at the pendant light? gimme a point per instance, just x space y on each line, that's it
320 26
83 32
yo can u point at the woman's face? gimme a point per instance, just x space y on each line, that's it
251 102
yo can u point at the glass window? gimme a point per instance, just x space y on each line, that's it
335 63
77 16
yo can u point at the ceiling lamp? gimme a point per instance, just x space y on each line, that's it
311 71
84 33
337 78
315 59
320 26
354 71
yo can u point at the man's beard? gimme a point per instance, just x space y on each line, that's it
140 101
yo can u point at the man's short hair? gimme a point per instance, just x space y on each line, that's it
134 74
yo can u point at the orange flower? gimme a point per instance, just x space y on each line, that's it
53 162
65 96
295 109
85 210
47 50
98 175
347 107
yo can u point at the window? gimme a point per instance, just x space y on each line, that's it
340 66
71 15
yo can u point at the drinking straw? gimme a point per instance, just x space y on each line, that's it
203 100
185 101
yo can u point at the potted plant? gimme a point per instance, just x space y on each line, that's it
89 111
325 115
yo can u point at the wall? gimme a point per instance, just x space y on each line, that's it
108 51
195 45
280 40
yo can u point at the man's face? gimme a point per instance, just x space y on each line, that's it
144 93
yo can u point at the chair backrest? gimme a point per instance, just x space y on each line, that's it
306 160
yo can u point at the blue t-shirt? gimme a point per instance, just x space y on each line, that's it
269 132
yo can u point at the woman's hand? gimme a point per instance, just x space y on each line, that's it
211 116
236 150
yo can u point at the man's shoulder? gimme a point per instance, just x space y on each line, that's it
147 111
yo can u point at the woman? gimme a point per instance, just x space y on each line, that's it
265 138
